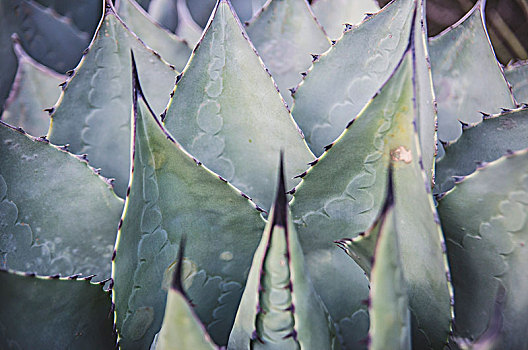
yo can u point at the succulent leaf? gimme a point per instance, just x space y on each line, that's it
517 76
172 194
389 305
484 142
35 87
188 29
84 14
181 328
172 48
280 308
164 12
383 132
286 33
463 88
57 216
334 14
201 9
227 112
346 77
93 113
8 59
40 31
34 303
423 90
484 219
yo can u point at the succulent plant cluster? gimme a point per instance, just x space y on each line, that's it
193 190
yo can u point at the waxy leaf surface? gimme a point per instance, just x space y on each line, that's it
390 321
227 112
93 113
172 48
36 87
285 33
517 76
484 220
467 77
57 215
31 305
280 308
171 195
355 169
334 14
346 77
181 328
49 39
484 142
84 14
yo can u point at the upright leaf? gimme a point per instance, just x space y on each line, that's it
46 37
84 14
50 39
484 219
484 142
57 215
390 321
187 28
181 327
169 45
227 112
54 313
280 308
464 88
171 195
285 34
346 77
423 91
165 13
344 192
36 87
334 14
517 76
93 113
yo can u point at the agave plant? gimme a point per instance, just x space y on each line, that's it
149 148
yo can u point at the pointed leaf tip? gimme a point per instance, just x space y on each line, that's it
136 86
389 200
281 201
177 276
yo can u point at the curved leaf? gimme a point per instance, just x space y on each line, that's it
85 14
464 88
58 216
344 192
334 14
93 113
517 76
165 13
171 195
346 77
50 39
187 28
483 142
286 33
30 305
169 45
36 87
40 31
280 308
484 219
227 112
